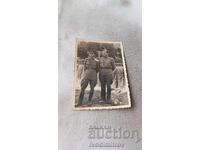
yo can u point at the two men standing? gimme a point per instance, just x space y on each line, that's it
105 66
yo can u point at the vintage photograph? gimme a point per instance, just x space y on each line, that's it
100 76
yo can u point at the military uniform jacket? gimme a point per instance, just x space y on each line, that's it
107 65
91 67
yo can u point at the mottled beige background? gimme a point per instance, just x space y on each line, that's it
112 20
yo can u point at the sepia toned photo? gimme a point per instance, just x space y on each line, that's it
100 76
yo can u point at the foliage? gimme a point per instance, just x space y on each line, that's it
84 47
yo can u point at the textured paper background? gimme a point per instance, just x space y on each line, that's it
111 20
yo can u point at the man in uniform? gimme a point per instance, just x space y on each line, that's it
107 66
91 68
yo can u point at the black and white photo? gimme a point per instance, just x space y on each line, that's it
100 77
